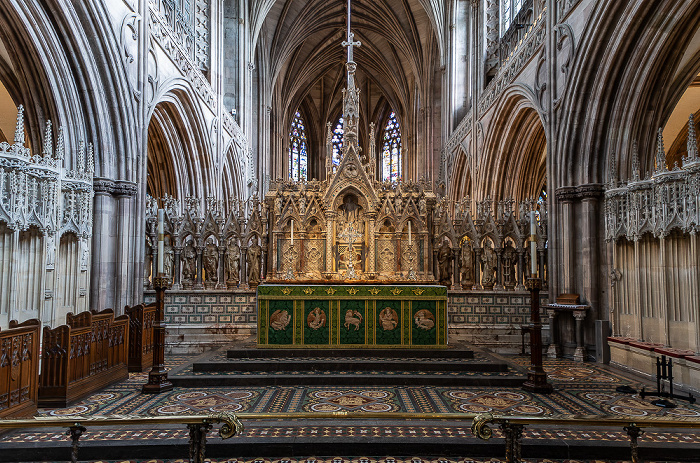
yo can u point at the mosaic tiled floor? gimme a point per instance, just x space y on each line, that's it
366 460
587 389
579 389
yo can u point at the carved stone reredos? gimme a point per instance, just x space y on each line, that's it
351 174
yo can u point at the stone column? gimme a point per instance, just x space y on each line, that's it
457 264
264 256
499 271
126 194
477 269
330 226
371 244
580 352
198 284
221 270
553 350
243 272
102 280
154 259
566 196
520 286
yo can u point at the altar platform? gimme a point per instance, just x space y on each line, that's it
358 315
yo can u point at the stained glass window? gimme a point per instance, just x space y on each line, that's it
298 156
541 202
337 141
391 150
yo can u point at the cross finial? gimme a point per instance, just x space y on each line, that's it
350 43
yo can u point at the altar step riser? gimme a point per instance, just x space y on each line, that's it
352 353
345 379
349 365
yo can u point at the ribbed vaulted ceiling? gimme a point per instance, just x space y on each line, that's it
396 62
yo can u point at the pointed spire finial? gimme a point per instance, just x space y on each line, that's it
60 145
19 131
81 156
692 142
612 180
48 140
660 152
635 162
90 158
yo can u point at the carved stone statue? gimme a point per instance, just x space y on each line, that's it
189 263
445 264
148 264
233 262
168 259
211 263
488 266
254 258
466 268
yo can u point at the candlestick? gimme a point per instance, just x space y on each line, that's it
410 241
533 244
161 237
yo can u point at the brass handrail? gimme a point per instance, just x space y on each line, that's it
511 426
198 425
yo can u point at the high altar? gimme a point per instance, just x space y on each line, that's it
329 239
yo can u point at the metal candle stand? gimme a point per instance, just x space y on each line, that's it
664 370
536 376
158 376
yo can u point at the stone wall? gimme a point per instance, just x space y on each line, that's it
201 320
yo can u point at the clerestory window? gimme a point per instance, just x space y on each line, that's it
337 141
509 11
391 150
298 154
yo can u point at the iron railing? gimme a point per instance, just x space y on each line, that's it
511 427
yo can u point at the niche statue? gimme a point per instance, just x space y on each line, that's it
233 258
211 264
254 257
466 268
445 264
189 264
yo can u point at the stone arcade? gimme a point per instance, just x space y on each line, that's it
414 152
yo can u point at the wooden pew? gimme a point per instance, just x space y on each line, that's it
141 319
19 368
83 356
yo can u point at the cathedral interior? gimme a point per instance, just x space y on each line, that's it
381 231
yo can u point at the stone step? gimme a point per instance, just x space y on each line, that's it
447 353
347 379
329 364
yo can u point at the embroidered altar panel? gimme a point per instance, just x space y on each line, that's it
352 316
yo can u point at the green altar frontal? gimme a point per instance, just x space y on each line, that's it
332 316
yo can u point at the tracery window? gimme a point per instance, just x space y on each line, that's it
337 141
298 155
509 10
391 150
